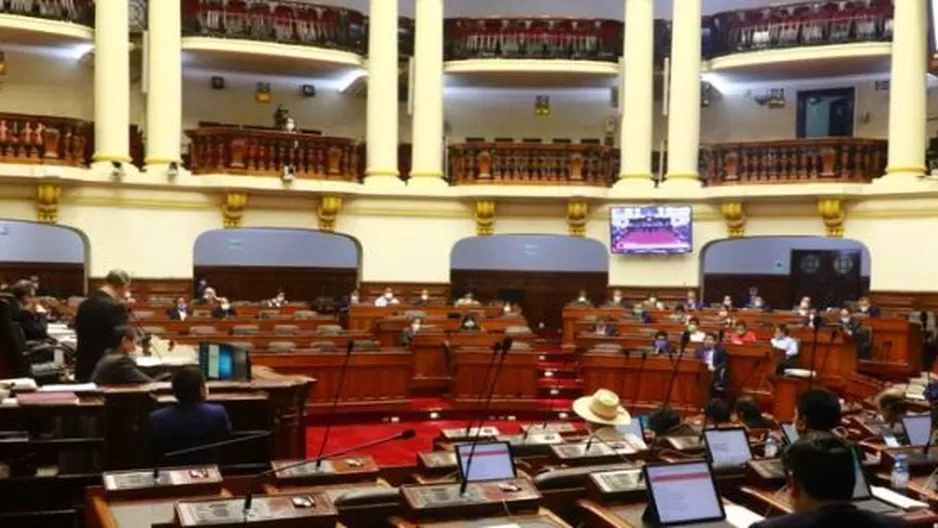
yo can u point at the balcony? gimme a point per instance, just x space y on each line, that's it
821 160
532 164
45 140
46 22
237 151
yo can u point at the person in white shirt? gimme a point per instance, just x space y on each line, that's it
387 299
467 300
787 344
804 307
616 300
693 330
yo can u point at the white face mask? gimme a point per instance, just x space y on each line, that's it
617 298
507 308
415 326
805 304
757 304
582 298
723 314
388 295
864 308
424 296
226 307
845 320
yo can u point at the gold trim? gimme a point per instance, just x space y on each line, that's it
232 209
120 158
47 203
328 212
577 217
382 172
485 217
735 217
426 174
906 170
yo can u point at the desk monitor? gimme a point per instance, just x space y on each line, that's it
634 433
682 493
917 429
224 362
728 447
490 461
791 434
861 488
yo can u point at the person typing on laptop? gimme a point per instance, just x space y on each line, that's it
822 478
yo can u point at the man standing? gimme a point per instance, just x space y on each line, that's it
97 320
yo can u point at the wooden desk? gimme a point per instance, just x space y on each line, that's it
542 519
897 350
630 515
303 340
433 369
625 375
226 326
388 331
364 317
516 383
357 516
104 512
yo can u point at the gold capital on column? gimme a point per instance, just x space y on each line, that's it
577 211
485 217
328 211
232 210
833 213
735 217
47 203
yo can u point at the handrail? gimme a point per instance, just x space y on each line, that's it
47 140
250 151
76 11
531 164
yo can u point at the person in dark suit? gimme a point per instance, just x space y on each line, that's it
603 328
190 422
116 367
714 356
822 475
817 410
717 413
410 332
423 300
223 310
749 413
180 311
97 318
26 313
865 307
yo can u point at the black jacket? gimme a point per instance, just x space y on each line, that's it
97 318
115 368
835 516
33 329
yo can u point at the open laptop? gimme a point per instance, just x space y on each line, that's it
686 493
727 448
633 433
490 461
863 496
917 429
791 434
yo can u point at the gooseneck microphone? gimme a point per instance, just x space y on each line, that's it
496 348
685 339
638 380
817 320
830 345
335 401
204 447
249 497
505 348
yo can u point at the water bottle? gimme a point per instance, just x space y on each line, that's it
771 447
900 473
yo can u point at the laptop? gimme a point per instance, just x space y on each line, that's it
917 429
727 448
633 433
791 434
224 362
488 461
863 495
681 493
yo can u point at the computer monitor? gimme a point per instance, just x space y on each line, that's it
728 447
682 493
490 461
791 434
917 429
861 488
224 362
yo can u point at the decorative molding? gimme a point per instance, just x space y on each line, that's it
47 203
735 217
485 217
328 211
833 213
232 210
577 211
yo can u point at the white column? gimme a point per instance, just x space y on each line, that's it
428 95
637 85
111 84
684 103
383 104
908 92
164 85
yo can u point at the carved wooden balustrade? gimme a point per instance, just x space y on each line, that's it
249 151
846 160
534 164
77 11
44 139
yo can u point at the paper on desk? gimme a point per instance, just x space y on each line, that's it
740 517
896 499
75 387
799 373
512 525
20 384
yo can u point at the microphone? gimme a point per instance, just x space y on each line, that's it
830 345
614 449
496 348
755 367
204 447
505 347
816 321
249 497
335 401
638 380
685 339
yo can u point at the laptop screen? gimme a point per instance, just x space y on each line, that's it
490 461
633 433
683 493
224 362
791 434
861 489
917 429
727 447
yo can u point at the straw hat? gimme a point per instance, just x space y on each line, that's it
601 408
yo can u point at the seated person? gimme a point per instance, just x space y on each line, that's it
640 314
223 310
751 297
679 315
189 423
581 301
603 328
817 410
601 411
466 300
179 312
652 303
714 356
116 366
727 302
717 413
848 324
660 343
616 301
666 422
510 309
758 305
789 346
423 300
742 334
865 307
407 336
803 307
810 319
28 313
691 304
822 478
279 300
724 317
749 413
892 405
387 299
469 323
693 329
208 297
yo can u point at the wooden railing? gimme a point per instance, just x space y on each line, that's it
845 160
77 11
533 38
534 164
247 151
44 139
805 24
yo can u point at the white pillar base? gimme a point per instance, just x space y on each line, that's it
681 183
427 182
383 181
635 182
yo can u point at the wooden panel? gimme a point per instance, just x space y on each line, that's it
904 301
776 290
145 288
666 294
644 385
406 291
542 294
517 379
63 280
255 283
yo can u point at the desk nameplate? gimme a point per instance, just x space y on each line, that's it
481 499
335 470
267 511
535 444
617 485
169 482
457 434
437 461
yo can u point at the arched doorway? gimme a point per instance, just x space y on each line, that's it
251 264
785 268
55 254
539 272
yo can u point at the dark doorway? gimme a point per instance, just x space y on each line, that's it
826 113
830 278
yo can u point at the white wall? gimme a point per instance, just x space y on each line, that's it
275 247
771 255
31 242
530 253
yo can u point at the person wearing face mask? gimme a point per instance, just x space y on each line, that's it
742 334
467 300
848 324
407 336
679 315
865 307
208 297
690 303
660 343
616 301
654 304
727 302
787 345
693 329
179 312
752 296
603 328
508 308
279 301
581 301
387 299
714 356
423 300
804 306
758 305
640 314
116 367
223 310
724 317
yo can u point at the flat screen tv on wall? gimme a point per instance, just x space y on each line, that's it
651 230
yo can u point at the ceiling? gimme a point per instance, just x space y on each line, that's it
578 8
